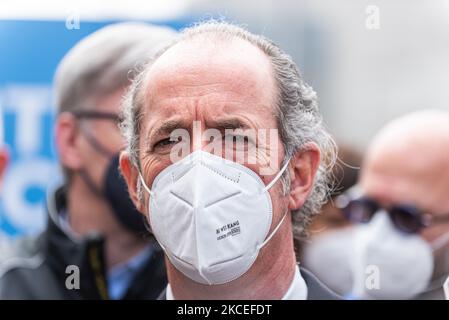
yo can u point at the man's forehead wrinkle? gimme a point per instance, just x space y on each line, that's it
222 93
239 83
203 75
204 84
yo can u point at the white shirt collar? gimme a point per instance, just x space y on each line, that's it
297 290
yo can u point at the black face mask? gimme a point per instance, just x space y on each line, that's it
115 191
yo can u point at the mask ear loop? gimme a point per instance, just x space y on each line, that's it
145 185
276 178
440 242
260 246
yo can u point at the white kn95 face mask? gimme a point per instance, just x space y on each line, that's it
211 216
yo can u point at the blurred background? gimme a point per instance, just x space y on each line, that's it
369 61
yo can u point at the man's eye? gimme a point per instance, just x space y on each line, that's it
165 143
236 139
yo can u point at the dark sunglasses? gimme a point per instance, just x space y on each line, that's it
406 218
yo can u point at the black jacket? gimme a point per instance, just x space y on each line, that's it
40 272
316 290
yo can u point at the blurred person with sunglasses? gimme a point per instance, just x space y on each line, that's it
96 245
397 246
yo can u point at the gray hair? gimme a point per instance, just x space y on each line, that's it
298 117
100 64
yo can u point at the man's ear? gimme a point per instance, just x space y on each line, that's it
67 141
303 168
131 175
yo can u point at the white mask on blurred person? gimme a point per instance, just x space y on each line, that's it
373 260
389 264
328 256
211 216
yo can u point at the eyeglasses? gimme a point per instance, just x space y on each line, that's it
88 114
97 115
406 218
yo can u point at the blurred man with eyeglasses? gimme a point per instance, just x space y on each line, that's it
397 246
96 245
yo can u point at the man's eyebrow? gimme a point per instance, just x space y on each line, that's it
166 128
228 123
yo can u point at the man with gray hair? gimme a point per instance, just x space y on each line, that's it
227 156
96 245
